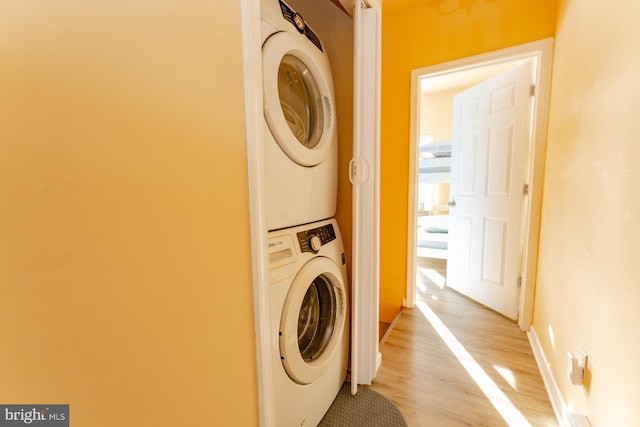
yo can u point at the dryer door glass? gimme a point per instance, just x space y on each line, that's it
317 318
300 100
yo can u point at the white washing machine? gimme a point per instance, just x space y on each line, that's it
301 152
309 320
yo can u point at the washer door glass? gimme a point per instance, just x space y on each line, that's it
300 100
317 319
313 326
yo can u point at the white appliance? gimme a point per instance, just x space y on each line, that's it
301 153
309 320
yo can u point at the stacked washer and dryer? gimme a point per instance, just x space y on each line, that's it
308 288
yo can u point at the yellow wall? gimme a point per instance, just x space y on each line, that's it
416 36
587 291
436 114
125 274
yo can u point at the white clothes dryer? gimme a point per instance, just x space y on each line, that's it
301 153
309 320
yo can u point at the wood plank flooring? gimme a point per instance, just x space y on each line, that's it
453 362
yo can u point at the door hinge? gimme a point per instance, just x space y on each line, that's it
532 90
525 189
520 281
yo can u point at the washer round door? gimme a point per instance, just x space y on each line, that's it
313 320
298 97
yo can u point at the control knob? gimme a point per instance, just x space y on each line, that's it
315 243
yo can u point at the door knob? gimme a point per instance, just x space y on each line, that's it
452 204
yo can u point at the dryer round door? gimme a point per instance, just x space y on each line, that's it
313 320
298 97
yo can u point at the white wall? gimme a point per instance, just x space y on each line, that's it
588 291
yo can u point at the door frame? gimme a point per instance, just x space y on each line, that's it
541 52
254 119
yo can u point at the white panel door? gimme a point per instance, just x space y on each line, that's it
364 167
490 144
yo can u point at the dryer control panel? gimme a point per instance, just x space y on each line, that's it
311 240
296 20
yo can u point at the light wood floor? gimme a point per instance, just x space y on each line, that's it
430 385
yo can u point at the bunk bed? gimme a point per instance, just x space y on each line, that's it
433 228
433 236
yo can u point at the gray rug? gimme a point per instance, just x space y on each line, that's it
367 409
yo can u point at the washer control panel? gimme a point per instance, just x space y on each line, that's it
313 239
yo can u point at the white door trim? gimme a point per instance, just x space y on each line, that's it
252 72
541 51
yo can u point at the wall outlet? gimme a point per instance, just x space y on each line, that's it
582 359
576 420
577 366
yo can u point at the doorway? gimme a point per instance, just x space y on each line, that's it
432 90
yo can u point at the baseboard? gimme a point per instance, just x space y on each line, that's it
557 402
390 328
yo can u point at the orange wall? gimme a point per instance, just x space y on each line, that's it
419 35
125 273
587 292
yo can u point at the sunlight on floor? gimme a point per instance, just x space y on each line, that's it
498 399
437 278
507 374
